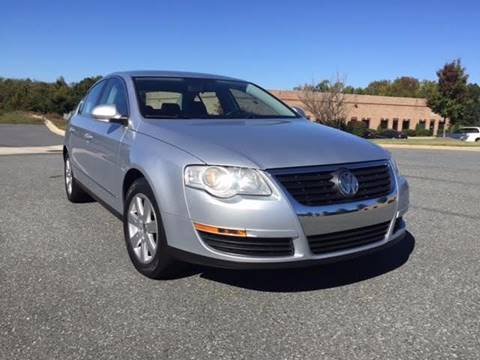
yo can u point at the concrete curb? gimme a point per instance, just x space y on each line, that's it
53 128
430 147
50 125
54 149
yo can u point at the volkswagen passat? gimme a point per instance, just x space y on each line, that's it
217 171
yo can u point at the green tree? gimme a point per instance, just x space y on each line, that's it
379 88
427 89
471 115
405 86
29 95
450 100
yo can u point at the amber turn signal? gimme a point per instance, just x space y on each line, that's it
220 231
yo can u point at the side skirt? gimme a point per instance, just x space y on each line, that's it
117 214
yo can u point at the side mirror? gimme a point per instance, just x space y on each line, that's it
299 111
109 113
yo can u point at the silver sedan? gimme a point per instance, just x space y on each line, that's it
217 171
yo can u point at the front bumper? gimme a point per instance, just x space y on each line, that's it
192 258
279 216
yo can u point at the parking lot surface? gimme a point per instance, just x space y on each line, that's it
68 289
27 135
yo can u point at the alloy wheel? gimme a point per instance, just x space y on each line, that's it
68 176
142 228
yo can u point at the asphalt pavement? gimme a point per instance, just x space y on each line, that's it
27 135
69 291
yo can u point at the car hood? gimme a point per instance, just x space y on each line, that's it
263 144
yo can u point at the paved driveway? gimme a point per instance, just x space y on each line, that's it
27 135
68 290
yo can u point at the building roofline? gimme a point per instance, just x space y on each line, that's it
293 95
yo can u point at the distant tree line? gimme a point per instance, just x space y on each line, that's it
451 96
404 86
42 97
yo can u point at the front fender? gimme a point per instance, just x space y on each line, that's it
162 165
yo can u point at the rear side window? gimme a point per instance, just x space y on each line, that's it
92 98
115 94
469 130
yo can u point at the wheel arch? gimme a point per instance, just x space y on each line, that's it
131 176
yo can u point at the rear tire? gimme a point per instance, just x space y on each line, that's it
144 234
74 191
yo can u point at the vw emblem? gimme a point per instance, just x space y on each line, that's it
346 182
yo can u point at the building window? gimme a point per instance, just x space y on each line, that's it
366 121
395 124
406 124
384 123
432 125
422 124
353 119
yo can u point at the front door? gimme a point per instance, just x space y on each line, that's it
104 146
81 127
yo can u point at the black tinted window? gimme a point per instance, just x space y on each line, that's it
469 130
92 98
115 94
206 99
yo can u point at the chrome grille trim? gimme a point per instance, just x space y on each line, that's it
312 186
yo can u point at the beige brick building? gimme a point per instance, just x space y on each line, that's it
381 111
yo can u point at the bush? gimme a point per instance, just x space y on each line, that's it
380 131
357 128
423 132
409 132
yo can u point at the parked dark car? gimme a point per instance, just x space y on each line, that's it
391 134
369 134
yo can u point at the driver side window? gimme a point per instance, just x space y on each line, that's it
92 99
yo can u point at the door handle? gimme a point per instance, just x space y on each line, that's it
88 136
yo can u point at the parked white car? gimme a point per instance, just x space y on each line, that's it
470 134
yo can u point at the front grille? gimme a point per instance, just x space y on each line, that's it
249 246
343 240
313 187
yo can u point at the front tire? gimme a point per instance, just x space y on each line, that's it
144 233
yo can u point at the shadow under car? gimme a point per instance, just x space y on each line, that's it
361 267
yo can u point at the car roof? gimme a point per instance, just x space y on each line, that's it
172 74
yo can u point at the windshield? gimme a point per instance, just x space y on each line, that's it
192 98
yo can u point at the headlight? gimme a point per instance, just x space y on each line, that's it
225 182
